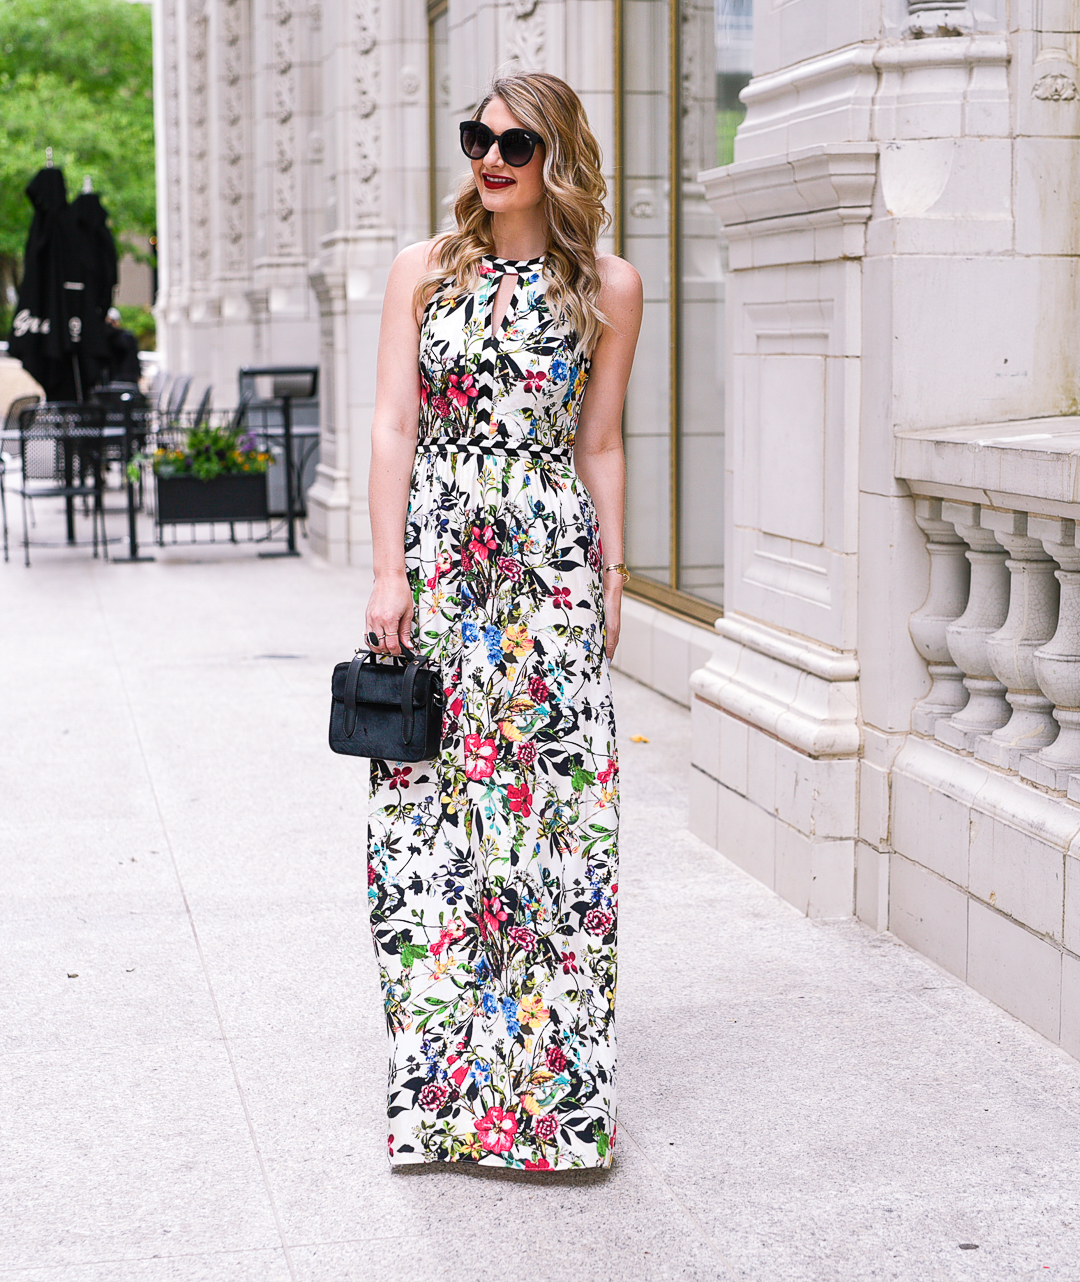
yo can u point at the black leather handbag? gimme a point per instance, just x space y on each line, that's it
389 711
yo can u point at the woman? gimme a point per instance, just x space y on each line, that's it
492 870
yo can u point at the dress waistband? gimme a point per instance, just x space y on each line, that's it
478 448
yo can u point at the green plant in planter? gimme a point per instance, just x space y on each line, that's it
207 452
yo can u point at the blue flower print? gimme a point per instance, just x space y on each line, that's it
481 1072
509 1010
491 1006
558 370
469 633
493 639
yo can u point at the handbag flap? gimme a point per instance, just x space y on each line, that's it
380 684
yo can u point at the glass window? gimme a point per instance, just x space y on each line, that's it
680 67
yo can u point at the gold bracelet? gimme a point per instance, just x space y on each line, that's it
620 569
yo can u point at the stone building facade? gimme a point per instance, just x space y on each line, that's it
853 430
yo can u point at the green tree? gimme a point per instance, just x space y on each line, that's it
75 75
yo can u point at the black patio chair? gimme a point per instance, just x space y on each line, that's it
202 414
9 436
53 438
177 397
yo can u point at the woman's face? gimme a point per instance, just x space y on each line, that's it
502 188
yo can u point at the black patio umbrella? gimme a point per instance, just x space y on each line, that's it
57 332
97 257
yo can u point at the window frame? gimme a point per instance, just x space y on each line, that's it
667 596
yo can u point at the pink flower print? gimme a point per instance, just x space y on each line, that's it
533 379
466 560
556 1058
593 557
520 799
452 933
479 757
569 963
522 937
545 1128
542 1165
538 690
492 916
497 1129
441 406
560 598
433 1096
598 922
526 753
608 773
482 542
511 568
400 777
462 389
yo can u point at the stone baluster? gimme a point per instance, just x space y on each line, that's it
1057 663
988 603
1032 618
950 575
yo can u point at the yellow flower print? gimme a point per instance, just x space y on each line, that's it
533 1010
516 639
510 731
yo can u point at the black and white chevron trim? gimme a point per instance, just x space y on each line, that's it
476 448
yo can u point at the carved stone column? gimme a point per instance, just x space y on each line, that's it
1057 663
1032 618
950 575
987 607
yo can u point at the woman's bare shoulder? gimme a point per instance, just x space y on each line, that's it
417 260
619 279
620 286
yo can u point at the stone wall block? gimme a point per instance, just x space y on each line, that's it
1031 621
987 608
950 576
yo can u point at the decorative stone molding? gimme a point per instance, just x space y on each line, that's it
948 18
234 181
950 574
525 43
799 692
174 177
284 200
1057 663
198 112
967 636
810 206
1054 87
1033 611
366 193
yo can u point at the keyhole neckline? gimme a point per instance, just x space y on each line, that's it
510 266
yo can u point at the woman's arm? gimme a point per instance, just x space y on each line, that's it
598 447
394 426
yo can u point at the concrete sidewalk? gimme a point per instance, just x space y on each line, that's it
192 1062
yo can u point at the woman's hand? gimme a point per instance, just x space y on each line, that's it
612 611
390 614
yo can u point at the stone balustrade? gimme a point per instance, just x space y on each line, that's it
1000 626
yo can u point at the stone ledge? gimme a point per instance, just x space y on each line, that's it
1032 465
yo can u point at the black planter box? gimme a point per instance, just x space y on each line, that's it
239 497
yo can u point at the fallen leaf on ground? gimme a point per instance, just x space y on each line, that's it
638 738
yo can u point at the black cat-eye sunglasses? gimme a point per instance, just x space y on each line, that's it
516 146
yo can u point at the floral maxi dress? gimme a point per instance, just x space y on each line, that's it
492 872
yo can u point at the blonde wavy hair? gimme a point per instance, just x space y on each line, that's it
574 191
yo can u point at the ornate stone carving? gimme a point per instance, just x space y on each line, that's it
525 44
928 18
409 79
1054 88
173 162
198 141
284 128
366 196
233 177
